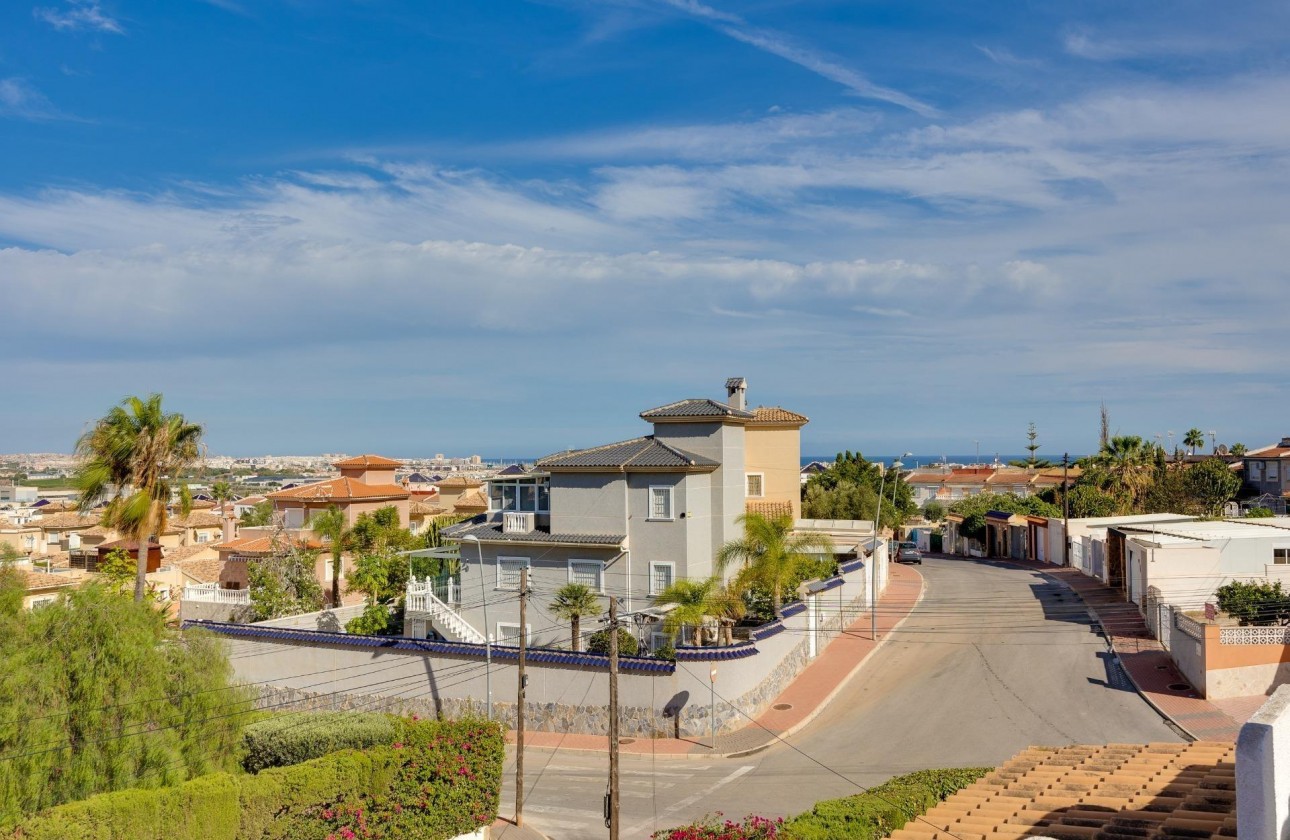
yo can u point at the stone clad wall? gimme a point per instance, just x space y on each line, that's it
307 673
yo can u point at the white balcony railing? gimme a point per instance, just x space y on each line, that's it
518 523
211 593
421 597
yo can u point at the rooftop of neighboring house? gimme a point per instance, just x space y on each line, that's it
38 580
638 454
1276 450
459 481
367 462
1151 791
69 520
426 509
1130 519
768 509
474 500
1200 531
777 416
178 555
340 490
195 519
696 408
202 570
262 545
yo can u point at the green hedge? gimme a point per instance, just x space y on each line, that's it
294 738
881 810
442 779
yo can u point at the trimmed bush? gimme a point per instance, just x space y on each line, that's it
283 740
715 828
598 642
882 809
440 780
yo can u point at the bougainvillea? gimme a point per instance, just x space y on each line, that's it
713 827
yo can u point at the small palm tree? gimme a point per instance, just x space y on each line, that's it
137 448
331 526
693 603
221 492
1193 440
1124 468
771 553
571 603
1238 449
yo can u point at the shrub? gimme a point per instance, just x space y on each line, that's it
1254 602
1259 513
715 828
598 642
283 740
440 780
882 809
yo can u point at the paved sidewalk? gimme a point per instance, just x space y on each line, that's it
1145 660
806 696
507 830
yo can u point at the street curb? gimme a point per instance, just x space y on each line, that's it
776 737
1110 643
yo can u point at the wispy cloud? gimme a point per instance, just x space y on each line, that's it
787 48
1085 43
228 6
79 15
19 100
1006 57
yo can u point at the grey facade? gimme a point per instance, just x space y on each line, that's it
1267 470
626 518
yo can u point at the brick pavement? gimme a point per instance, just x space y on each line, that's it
1144 659
806 696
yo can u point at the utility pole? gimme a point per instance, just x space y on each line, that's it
1066 510
611 804
519 705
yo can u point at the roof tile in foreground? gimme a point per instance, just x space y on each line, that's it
637 453
697 409
1152 791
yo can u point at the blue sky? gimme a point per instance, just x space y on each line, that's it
508 227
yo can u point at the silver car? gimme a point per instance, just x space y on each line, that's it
909 553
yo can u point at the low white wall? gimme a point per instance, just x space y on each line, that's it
322 620
1263 772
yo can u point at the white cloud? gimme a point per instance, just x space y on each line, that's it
18 99
77 15
787 48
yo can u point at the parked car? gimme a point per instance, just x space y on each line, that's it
909 553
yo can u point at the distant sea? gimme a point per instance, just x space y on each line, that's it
911 461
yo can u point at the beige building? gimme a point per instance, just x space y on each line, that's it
45 587
366 484
462 494
772 461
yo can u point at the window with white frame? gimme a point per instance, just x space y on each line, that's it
661 576
1272 471
509 633
29 542
37 603
1281 556
590 573
203 536
508 572
660 503
754 485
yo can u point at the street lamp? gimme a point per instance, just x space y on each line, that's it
488 639
877 535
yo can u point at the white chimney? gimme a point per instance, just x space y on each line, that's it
737 393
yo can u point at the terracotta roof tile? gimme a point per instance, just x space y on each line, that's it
64 521
183 553
260 545
47 580
771 510
475 500
1152 791
359 461
202 570
196 519
342 489
775 414
459 481
423 509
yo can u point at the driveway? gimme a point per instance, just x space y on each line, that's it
994 659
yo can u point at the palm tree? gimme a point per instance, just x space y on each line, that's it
136 449
693 600
1193 440
1126 466
571 603
771 553
331 526
221 492
1238 449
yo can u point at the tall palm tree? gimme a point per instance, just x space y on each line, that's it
771 553
221 492
1193 440
136 451
331 526
571 603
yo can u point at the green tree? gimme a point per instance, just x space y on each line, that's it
1238 449
137 448
1032 460
331 526
284 583
974 508
9 553
694 601
571 603
934 511
1087 500
117 569
96 694
771 554
1254 602
258 515
849 490
1211 484
1193 440
599 643
221 492
1125 468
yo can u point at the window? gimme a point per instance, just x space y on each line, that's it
509 633
29 542
203 536
754 483
37 603
589 573
527 496
1256 467
508 572
1281 556
660 503
414 526
1272 472
660 576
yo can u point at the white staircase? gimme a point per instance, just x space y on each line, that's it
421 599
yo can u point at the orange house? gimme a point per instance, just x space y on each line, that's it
366 484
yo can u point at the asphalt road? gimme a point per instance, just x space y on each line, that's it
994 659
